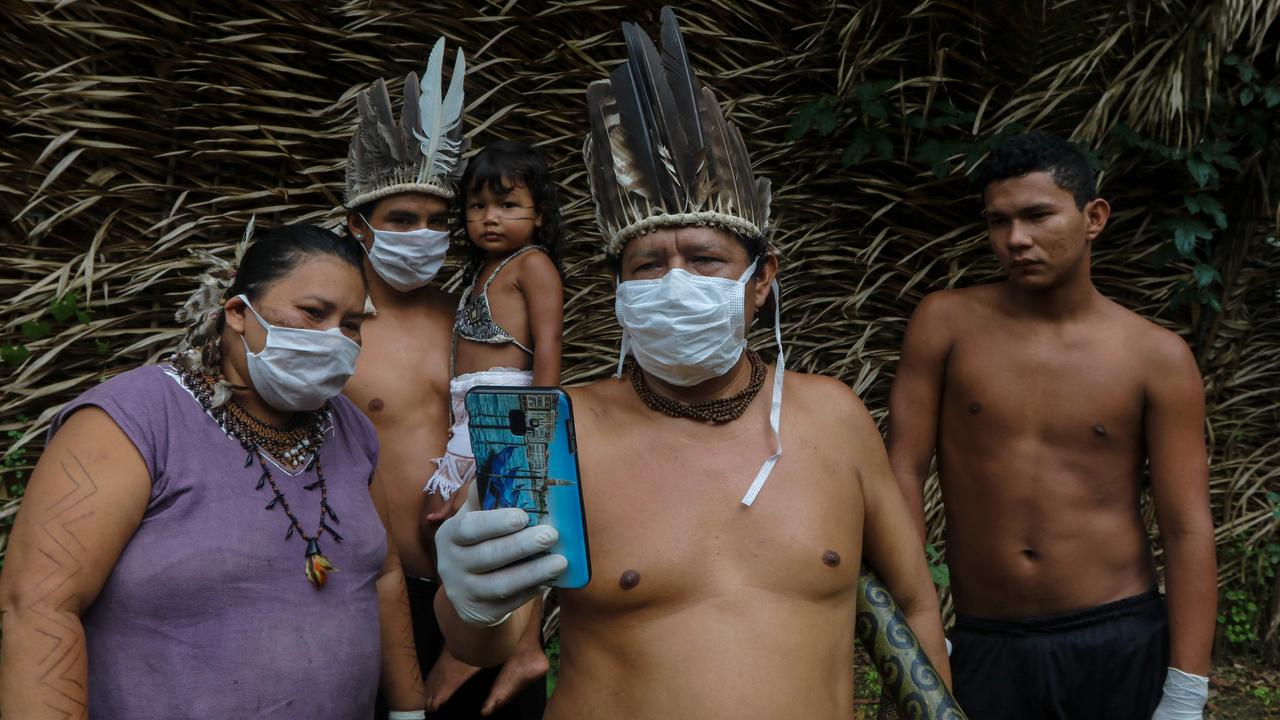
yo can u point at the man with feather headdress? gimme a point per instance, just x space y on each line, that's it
401 177
704 602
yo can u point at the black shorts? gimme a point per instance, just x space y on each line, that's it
465 704
1103 663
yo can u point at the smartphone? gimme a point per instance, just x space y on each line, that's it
527 457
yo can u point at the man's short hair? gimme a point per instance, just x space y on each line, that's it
1040 151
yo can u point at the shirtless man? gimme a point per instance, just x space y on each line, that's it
703 603
1046 402
402 384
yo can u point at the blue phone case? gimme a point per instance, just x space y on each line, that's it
527 457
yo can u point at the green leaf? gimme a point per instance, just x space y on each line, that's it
1200 170
1208 205
941 574
64 308
1247 73
876 109
856 150
83 316
1246 96
806 117
917 122
1271 96
825 120
1218 152
14 354
1185 231
102 346
36 330
1206 275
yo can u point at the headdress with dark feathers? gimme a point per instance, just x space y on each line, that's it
660 152
421 153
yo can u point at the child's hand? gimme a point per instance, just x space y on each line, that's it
450 508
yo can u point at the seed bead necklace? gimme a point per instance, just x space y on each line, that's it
289 445
717 411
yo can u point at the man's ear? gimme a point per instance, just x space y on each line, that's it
358 228
765 273
233 311
1096 213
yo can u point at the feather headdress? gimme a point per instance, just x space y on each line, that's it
422 152
200 348
660 152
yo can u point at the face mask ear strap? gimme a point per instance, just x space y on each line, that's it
775 408
245 299
622 355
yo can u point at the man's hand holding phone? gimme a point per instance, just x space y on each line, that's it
486 560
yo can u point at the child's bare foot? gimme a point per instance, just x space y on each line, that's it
446 676
527 665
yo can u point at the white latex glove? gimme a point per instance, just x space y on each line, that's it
407 715
475 552
1184 697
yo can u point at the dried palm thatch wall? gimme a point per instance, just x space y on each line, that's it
136 131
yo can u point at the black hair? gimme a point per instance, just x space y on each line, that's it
1040 151
276 252
500 167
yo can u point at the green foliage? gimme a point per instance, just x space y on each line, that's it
938 569
869 119
1207 174
1241 124
12 476
871 682
64 311
553 658
1239 617
1239 613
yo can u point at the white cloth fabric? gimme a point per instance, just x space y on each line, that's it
458 466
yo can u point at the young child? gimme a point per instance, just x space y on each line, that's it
508 327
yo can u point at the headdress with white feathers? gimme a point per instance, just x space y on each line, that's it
421 153
660 152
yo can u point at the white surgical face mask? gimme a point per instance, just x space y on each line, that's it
407 260
684 328
687 329
299 369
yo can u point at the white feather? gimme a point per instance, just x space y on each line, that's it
439 114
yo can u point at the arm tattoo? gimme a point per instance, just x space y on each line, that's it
59 667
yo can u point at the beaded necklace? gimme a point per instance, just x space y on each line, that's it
289 445
717 411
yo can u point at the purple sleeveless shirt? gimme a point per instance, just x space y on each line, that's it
208 612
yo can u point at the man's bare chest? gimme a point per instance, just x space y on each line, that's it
1070 393
667 529
402 370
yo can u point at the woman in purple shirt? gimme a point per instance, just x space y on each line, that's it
208 539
